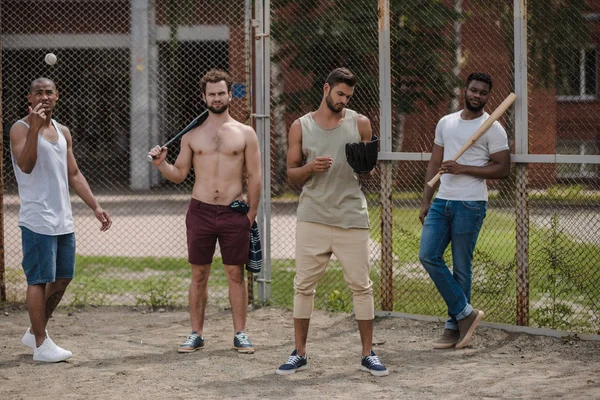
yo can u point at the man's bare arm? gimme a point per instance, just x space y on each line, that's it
437 155
252 157
80 185
297 173
497 168
24 142
177 172
364 128
366 134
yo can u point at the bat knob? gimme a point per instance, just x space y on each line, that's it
150 158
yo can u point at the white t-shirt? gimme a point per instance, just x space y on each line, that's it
451 133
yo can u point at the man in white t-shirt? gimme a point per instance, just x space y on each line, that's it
459 207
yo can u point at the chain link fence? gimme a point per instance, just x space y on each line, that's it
128 74
129 78
433 47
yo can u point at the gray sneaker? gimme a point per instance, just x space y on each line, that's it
448 339
467 326
191 344
242 343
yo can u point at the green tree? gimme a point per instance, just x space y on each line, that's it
554 28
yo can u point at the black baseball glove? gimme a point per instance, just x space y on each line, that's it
362 156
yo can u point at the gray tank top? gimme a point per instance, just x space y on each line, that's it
333 197
44 193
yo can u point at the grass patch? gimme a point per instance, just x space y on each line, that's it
564 281
152 281
564 278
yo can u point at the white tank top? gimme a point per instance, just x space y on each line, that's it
44 193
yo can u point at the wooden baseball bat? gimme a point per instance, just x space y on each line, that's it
479 132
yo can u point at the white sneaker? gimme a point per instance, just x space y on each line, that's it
29 339
50 352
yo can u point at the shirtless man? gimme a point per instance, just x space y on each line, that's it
218 149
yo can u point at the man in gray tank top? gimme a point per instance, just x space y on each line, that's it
332 214
45 168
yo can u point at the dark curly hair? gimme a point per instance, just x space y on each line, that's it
481 77
215 76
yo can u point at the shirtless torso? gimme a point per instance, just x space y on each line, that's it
218 159
218 150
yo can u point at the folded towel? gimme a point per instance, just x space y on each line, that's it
255 252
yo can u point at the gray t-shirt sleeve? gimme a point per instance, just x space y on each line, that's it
497 139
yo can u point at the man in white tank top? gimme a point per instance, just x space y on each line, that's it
45 168
457 213
332 214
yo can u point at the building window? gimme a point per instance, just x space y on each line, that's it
580 148
577 74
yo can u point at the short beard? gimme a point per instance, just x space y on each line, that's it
471 108
218 110
331 106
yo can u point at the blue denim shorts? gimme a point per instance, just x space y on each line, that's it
47 258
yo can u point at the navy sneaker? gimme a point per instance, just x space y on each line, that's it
242 343
372 364
192 343
293 364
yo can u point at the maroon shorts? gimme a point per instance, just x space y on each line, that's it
206 223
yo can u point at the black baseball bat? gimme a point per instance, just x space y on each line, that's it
195 123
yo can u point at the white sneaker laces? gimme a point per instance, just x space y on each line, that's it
294 360
190 339
243 339
373 360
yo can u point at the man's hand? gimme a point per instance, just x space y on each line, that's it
104 218
252 218
367 175
37 116
424 212
160 153
452 167
322 164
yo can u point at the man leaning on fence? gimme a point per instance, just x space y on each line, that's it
459 207
219 150
332 214
45 168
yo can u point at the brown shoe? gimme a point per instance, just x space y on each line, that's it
448 339
467 326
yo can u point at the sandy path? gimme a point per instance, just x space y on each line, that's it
120 353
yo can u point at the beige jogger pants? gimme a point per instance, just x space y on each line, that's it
314 245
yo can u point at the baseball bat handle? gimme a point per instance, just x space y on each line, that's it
434 180
479 132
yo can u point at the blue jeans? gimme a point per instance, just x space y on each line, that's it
47 258
459 223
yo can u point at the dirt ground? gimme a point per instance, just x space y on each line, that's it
130 353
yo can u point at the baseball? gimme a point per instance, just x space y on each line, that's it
50 58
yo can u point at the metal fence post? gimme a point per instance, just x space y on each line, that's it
262 91
385 121
267 151
2 265
140 95
521 147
